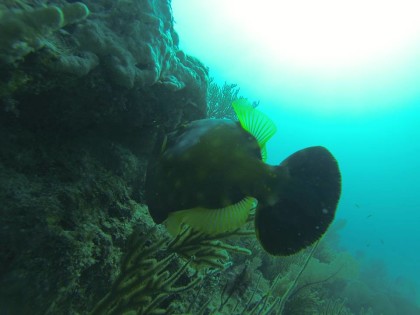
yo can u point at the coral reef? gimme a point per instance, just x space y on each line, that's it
137 44
26 30
74 146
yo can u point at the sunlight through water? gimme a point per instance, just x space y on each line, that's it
341 48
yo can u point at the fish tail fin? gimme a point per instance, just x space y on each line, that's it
304 205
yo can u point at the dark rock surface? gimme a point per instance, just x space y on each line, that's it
79 117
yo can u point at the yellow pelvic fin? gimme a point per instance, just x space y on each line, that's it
212 221
255 122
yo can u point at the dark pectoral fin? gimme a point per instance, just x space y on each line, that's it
305 206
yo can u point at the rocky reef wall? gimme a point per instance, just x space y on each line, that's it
86 90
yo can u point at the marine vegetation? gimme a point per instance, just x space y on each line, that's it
145 281
220 99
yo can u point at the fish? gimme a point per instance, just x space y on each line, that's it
211 174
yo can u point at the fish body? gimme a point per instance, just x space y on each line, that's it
212 163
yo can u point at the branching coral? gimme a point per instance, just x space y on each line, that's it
269 302
300 287
333 307
207 251
145 281
220 99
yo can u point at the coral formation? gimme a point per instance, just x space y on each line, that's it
220 99
74 145
24 31
143 282
136 42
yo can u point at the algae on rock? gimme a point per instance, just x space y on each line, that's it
74 147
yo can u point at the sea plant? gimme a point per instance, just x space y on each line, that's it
151 268
220 99
144 281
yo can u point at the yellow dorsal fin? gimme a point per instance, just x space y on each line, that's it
212 221
255 122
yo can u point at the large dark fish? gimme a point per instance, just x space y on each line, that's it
211 173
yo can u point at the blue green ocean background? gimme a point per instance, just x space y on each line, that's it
342 75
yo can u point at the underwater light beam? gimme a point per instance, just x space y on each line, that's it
355 56
325 34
